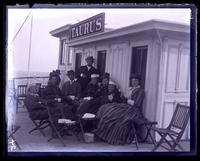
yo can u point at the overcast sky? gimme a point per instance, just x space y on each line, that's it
44 47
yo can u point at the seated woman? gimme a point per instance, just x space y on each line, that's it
52 90
113 95
92 106
103 85
116 119
37 107
53 95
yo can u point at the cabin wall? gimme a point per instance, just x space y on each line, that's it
167 69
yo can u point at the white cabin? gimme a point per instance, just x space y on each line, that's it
158 50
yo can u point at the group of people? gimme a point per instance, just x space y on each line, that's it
88 92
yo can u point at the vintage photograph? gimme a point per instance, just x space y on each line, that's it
99 80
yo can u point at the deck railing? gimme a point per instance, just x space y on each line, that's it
14 82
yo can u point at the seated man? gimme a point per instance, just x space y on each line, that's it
71 91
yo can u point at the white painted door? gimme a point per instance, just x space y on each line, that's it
176 83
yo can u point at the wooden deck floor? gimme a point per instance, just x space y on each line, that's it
35 142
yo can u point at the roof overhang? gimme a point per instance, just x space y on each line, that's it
140 27
57 32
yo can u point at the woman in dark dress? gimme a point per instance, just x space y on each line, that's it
38 107
116 119
53 95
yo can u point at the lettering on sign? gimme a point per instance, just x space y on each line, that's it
89 26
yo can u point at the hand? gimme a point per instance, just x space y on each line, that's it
83 75
110 97
131 102
72 97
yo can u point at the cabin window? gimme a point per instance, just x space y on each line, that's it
78 61
101 61
138 62
63 52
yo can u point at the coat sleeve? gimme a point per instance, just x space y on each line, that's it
78 90
63 89
78 72
139 99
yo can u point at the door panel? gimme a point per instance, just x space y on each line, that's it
176 82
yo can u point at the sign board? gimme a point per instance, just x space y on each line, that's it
89 26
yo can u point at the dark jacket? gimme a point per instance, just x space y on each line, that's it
73 89
35 107
84 81
138 97
116 97
51 92
91 90
103 90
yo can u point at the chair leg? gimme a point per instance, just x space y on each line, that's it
57 134
82 131
160 142
37 128
175 144
136 141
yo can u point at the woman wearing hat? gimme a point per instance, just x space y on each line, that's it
116 119
84 73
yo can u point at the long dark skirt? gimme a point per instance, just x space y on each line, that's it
115 123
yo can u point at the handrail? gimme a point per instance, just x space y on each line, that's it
29 77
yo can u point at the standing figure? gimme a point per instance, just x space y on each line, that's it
84 73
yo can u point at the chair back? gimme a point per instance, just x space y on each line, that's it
21 90
180 118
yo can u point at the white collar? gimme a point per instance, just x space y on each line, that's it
89 67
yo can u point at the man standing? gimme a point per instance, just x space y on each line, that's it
84 73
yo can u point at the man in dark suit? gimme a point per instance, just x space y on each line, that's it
71 91
84 73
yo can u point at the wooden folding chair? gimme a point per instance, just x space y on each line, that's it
148 125
175 129
40 124
21 94
62 127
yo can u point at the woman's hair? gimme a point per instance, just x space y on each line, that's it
136 76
